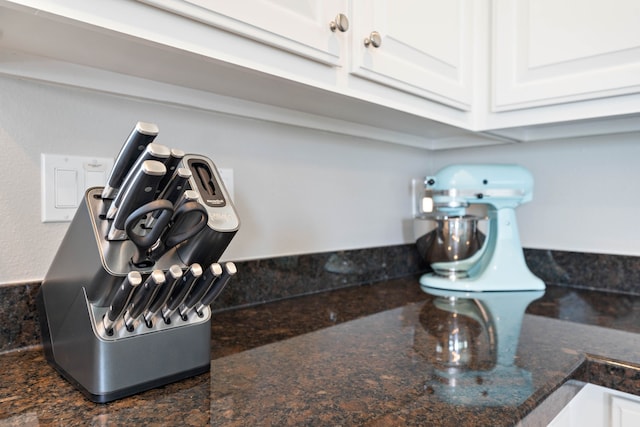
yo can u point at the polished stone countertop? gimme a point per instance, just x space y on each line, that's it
383 354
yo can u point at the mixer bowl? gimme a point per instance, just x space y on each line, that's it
453 246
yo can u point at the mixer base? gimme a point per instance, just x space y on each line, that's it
524 282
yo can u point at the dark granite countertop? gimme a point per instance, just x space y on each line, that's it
368 355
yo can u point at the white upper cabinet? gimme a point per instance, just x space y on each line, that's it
297 26
424 47
551 52
425 73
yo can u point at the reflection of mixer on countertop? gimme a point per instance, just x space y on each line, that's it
462 257
471 340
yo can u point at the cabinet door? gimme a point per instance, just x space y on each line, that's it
551 52
297 26
426 48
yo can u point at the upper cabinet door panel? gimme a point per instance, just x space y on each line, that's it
550 52
426 47
301 27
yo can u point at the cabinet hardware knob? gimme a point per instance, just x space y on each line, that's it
374 39
340 23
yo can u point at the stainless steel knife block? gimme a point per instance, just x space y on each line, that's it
74 297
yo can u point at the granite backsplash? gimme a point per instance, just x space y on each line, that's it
278 278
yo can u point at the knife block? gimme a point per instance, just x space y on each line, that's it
73 299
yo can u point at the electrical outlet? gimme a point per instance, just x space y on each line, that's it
226 174
64 181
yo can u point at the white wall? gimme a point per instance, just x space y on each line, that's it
586 194
301 191
296 191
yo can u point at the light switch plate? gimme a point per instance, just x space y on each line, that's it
64 181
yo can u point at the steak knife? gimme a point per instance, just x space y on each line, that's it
230 270
181 290
172 276
142 298
142 135
120 300
208 279
140 190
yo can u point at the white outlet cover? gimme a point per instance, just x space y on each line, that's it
64 181
226 174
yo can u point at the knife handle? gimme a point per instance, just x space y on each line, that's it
177 185
142 135
208 279
152 151
181 290
172 277
173 191
172 163
140 191
230 270
120 300
142 298
187 196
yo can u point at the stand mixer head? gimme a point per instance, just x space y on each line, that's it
462 256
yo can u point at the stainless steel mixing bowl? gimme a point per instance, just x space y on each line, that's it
450 246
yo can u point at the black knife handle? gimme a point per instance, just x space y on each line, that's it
176 186
172 164
120 300
230 270
172 276
187 196
207 280
140 191
142 297
142 135
181 290
153 151
173 191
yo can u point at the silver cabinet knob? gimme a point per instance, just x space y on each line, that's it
340 23
374 39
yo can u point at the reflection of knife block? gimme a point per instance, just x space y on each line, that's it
75 295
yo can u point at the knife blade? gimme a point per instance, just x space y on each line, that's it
153 151
230 270
173 191
140 190
142 298
180 291
145 238
142 135
171 276
120 300
208 279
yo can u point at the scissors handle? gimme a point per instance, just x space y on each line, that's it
144 241
188 220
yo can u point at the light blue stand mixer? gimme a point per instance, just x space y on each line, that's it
462 257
